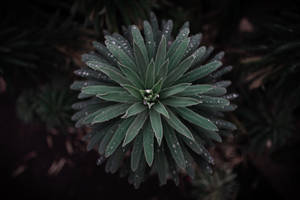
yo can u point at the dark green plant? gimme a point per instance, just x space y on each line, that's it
153 103
50 105
221 185
269 105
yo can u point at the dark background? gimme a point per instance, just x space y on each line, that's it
44 157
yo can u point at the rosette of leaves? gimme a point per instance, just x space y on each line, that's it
153 103
51 105
222 185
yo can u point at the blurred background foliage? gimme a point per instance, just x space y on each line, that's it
41 43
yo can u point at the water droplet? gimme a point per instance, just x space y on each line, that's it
100 160
173 145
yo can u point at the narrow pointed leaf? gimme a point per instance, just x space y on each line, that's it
110 71
118 52
175 123
139 60
161 165
96 138
157 86
101 89
150 75
110 112
104 142
161 53
139 40
160 108
178 55
132 90
201 71
156 125
163 70
178 72
196 119
149 39
167 29
195 90
193 44
135 127
148 143
135 109
174 90
132 76
122 97
174 147
183 34
136 152
180 101
118 137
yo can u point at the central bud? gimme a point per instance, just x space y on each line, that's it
149 97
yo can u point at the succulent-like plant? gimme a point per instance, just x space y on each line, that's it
153 102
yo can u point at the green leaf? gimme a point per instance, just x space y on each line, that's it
156 125
135 127
198 54
101 89
183 34
174 147
207 100
104 52
132 90
161 53
96 138
161 165
190 169
217 91
140 61
198 148
210 134
115 161
180 101
167 29
139 174
122 97
196 119
124 43
150 75
155 26
132 76
173 90
193 44
157 86
149 39
139 40
194 90
110 112
179 70
148 143
136 152
122 57
224 124
160 108
109 70
163 70
135 109
77 85
118 137
201 71
175 123
178 55
104 142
